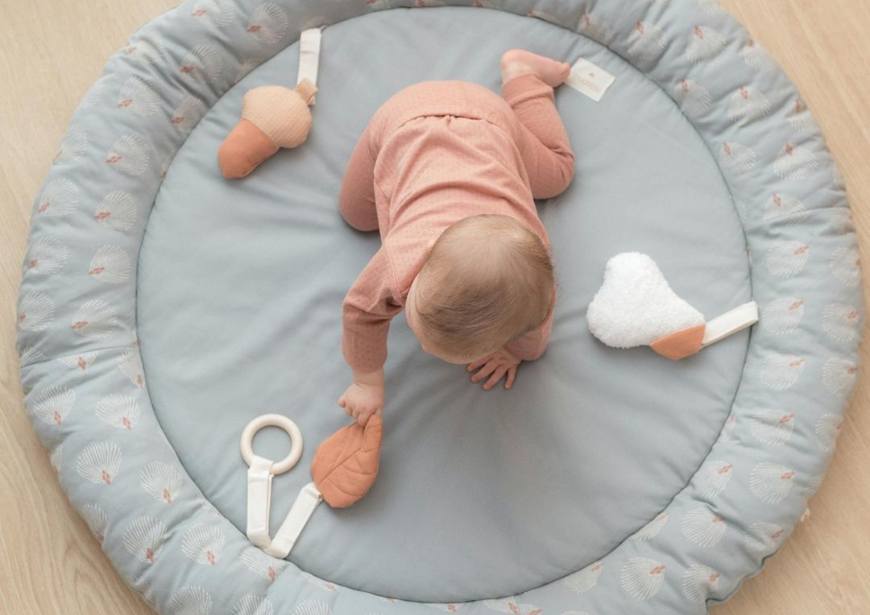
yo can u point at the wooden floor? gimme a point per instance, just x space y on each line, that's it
53 50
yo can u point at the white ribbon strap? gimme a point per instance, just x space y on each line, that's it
260 473
309 56
730 322
259 501
302 509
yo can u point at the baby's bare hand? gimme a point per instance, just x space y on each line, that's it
361 401
498 365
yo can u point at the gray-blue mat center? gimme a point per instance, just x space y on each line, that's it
480 494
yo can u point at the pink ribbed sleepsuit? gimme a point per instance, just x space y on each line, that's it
433 154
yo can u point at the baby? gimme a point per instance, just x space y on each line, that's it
448 171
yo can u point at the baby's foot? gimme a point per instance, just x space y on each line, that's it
518 62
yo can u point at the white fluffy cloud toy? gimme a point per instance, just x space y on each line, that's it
636 306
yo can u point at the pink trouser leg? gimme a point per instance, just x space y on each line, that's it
356 201
542 139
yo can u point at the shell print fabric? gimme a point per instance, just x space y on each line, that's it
839 376
713 478
203 544
137 96
95 318
642 578
130 364
217 13
771 482
80 361
736 160
46 256
783 316
586 579
763 539
118 410
72 146
794 162
161 480
110 265
782 207
144 537
698 581
269 24
88 393
251 604
694 99
191 600
117 211
263 565
841 322
757 57
54 404
772 427
35 312
202 63
97 520
705 44
186 115
703 527
651 529
782 371
596 29
59 198
129 155
788 258
99 462
646 42
748 104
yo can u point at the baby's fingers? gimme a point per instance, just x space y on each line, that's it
473 366
484 371
496 376
511 376
342 402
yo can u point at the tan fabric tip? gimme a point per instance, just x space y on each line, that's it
306 90
244 148
345 465
681 344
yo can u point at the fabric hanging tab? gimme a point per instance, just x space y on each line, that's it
730 322
259 501
304 506
309 56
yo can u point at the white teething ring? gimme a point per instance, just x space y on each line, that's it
273 420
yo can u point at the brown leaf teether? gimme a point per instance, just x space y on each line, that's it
345 465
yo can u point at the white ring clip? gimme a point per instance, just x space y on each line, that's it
273 420
260 473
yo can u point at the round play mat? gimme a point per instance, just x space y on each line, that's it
163 307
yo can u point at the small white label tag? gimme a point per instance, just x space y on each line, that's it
589 79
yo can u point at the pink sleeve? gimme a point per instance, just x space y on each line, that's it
532 345
368 308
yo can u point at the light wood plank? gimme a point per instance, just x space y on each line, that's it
55 49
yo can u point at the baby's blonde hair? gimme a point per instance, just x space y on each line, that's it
487 280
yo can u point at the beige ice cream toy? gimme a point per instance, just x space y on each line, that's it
273 117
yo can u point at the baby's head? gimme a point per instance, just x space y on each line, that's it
487 280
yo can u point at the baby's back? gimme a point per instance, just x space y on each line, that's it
433 170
